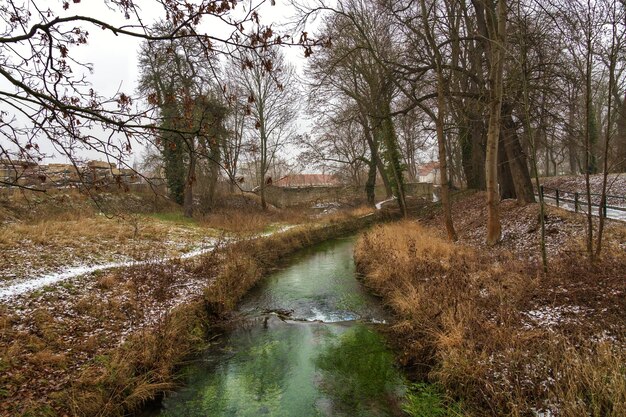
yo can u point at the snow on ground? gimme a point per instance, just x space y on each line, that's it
550 316
382 203
25 286
611 213
568 186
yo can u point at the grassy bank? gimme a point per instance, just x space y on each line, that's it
62 354
494 332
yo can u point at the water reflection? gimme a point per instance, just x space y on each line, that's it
320 285
292 369
272 367
358 374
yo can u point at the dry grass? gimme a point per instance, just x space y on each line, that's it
36 248
61 355
144 366
237 222
67 231
463 323
362 210
248 221
245 262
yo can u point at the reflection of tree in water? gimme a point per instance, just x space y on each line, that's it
209 395
358 373
265 366
249 384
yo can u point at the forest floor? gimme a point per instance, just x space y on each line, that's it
50 335
488 326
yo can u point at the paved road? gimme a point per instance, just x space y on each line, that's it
614 214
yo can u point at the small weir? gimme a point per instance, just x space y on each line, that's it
309 346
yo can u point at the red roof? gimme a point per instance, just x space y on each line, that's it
306 180
426 169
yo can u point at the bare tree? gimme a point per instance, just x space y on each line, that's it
339 145
270 87
46 94
237 121
355 67
491 18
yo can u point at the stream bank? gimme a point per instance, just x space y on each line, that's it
307 343
487 326
112 373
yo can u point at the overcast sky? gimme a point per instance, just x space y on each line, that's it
114 58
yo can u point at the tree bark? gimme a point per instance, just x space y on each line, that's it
375 161
495 24
439 125
191 179
370 184
506 187
619 164
516 159
383 176
393 157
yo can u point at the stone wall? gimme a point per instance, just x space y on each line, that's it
49 176
310 196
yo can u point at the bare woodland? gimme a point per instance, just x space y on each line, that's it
508 90
503 97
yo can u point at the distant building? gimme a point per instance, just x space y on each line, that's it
307 180
429 173
19 172
93 173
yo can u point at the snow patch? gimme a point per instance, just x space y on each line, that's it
382 203
552 316
15 289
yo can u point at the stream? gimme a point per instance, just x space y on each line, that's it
308 346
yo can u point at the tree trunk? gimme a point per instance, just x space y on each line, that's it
393 157
473 152
496 26
383 176
607 139
572 142
370 184
477 132
443 166
264 166
619 164
214 173
375 156
191 179
439 124
516 159
588 139
506 187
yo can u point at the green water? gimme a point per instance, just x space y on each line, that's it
321 357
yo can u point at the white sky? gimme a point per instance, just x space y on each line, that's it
114 58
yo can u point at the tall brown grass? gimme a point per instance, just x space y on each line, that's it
461 324
250 220
145 366
245 262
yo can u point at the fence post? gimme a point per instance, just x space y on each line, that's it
556 192
576 202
